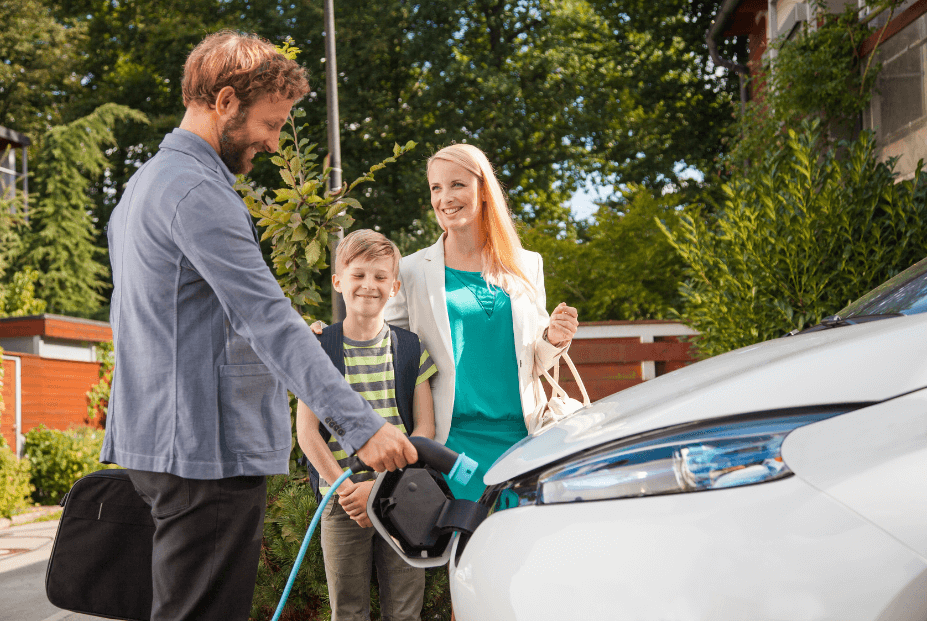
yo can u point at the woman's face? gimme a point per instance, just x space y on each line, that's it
455 195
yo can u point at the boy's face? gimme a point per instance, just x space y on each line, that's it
367 285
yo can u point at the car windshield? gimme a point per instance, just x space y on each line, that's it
905 294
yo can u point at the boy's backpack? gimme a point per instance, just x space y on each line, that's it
406 358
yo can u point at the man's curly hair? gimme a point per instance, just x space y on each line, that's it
247 63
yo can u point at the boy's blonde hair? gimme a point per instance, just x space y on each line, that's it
501 261
365 244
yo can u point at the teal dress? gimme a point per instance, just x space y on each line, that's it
487 418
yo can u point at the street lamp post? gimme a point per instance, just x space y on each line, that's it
334 140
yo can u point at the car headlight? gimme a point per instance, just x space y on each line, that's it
717 454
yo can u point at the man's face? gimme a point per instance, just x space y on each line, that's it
250 130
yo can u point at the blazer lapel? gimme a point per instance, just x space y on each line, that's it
523 314
437 296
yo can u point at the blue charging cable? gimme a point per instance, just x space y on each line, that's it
306 540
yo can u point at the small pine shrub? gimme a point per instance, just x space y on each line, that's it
290 507
15 487
59 458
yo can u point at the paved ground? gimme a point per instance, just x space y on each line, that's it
25 546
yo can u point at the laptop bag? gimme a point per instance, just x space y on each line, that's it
101 560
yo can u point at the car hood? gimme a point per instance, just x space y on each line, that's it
863 363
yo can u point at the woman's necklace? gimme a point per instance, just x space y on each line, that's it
491 291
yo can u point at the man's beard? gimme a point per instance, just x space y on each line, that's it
231 150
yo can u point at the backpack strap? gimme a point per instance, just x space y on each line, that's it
406 355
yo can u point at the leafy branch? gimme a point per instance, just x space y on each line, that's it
301 217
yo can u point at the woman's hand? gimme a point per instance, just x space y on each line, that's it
317 325
563 323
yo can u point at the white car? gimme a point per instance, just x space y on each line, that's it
782 481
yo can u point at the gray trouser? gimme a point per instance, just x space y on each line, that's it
206 544
350 552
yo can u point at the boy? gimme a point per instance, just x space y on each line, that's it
390 368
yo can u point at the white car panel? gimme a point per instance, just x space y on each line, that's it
874 461
762 552
818 368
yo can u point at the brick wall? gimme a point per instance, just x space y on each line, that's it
54 393
607 365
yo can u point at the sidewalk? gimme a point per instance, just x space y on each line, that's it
25 546
24 541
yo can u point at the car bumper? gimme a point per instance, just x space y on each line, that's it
779 550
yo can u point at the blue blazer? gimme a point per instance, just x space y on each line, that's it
206 343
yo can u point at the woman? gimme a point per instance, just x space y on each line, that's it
476 299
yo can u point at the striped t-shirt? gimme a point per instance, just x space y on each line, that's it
368 368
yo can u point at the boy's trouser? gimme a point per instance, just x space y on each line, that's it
206 544
349 552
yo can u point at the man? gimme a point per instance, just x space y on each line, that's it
206 343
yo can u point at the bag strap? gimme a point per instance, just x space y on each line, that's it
554 382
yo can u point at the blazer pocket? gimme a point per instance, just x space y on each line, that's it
253 408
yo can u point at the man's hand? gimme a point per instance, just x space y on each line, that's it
388 449
355 503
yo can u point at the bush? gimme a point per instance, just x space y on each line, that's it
801 234
98 396
59 458
14 481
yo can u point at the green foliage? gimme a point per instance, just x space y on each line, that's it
423 232
15 488
801 234
816 74
819 73
301 217
60 244
665 107
40 70
290 507
17 297
98 396
59 458
17 288
621 266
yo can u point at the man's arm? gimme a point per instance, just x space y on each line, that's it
212 229
315 447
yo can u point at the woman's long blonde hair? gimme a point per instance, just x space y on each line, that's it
501 251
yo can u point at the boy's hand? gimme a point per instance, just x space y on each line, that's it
316 326
345 488
355 503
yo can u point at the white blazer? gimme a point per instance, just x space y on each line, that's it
421 306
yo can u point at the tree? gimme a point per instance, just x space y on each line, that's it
60 242
39 74
17 289
619 267
801 234
667 104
